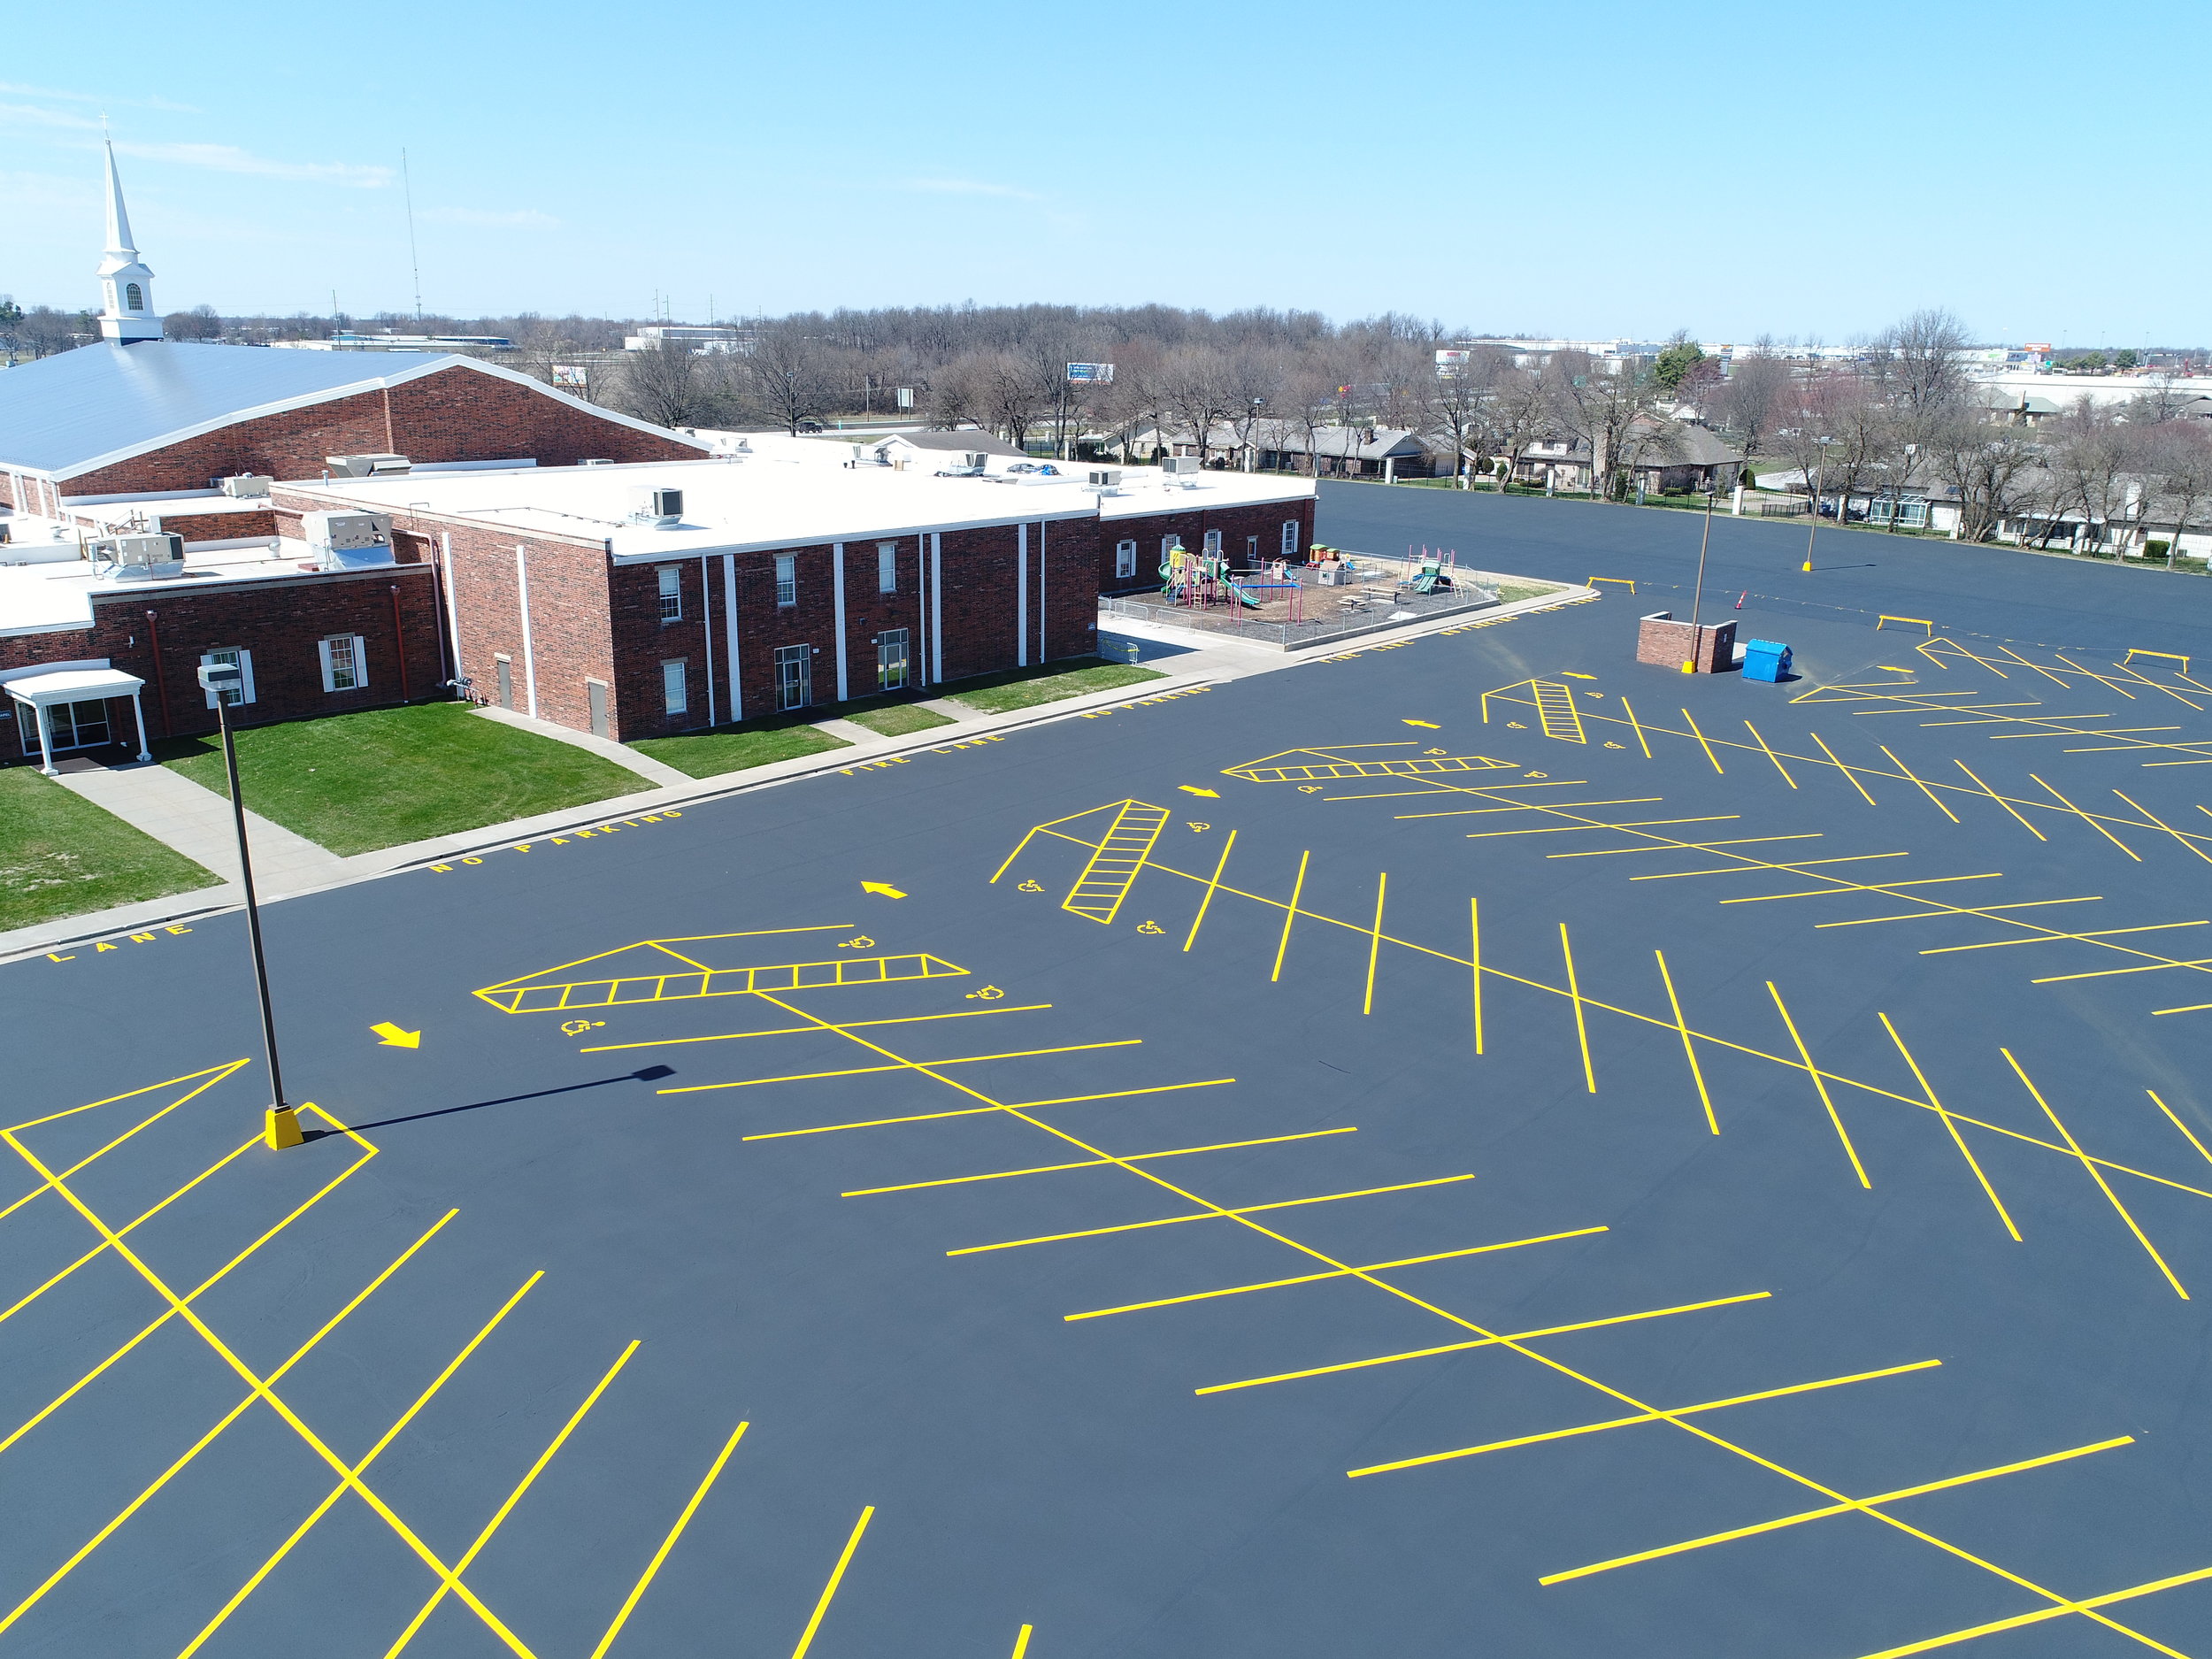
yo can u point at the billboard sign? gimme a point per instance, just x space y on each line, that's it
1451 362
571 374
1090 373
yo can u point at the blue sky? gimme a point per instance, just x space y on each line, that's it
1600 169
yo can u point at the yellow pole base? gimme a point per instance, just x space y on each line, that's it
1807 567
283 1129
1689 668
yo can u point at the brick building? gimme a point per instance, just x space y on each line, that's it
781 578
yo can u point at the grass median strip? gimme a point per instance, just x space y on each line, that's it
62 856
1000 694
710 754
899 720
354 783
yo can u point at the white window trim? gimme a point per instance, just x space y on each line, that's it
1290 538
787 576
1125 560
887 567
671 583
360 662
1210 543
245 672
675 688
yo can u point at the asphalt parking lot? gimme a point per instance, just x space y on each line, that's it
1474 1145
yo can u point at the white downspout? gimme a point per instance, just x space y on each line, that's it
729 625
529 655
706 630
452 604
1021 595
837 591
937 607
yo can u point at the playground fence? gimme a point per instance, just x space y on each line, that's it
1380 602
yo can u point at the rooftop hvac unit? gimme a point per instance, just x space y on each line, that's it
368 466
348 540
140 557
597 460
663 509
244 486
1177 464
1103 477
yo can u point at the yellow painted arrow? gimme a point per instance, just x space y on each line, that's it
1192 788
884 887
392 1037
1429 724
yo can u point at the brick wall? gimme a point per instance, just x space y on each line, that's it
280 622
1263 520
457 414
221 526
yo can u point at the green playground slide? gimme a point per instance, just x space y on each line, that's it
1249 602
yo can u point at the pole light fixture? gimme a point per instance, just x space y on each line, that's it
281 1128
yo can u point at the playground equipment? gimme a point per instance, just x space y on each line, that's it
1198 579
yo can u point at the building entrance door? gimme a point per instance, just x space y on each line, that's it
595 694
891 660
72 725
794 676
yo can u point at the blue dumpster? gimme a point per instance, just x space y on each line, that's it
1765 659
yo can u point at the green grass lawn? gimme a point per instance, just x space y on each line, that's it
710 754
62 856
358 782
997 693
899 718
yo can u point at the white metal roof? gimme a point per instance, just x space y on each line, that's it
78 411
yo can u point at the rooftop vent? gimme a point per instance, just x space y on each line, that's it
663 508
597 460
348 540
368 466
140 557
244 486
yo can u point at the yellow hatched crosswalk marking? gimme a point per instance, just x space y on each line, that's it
1555 708
1106 880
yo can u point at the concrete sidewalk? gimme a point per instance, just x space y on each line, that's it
198 823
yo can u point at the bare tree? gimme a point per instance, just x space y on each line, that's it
665 385
1752 402
787 377
1197 392
1992 470
1602 410
2181 452
2096 458
1517 412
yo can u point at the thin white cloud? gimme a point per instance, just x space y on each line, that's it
518 218
969 187
30 115
102 100
230 158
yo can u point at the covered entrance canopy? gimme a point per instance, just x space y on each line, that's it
40 697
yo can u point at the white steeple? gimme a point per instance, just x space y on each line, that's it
126 286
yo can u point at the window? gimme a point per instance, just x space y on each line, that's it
786 579
887 567
244 662
134 297
891 660
672 692
1125 560
671 586
1168 544
345 662
794 676
1290 538
1213 541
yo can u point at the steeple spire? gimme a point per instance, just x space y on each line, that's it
118 217
126 286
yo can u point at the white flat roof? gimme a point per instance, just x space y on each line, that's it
73 685
55 596
786 495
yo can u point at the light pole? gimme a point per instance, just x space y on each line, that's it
1820 476
283 1125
